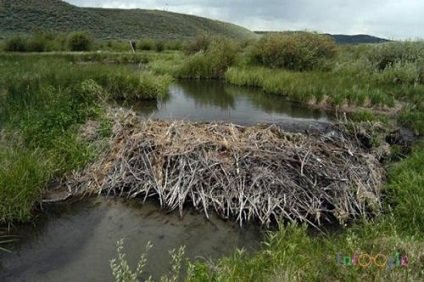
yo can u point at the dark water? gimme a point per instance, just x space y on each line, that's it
217 101
75 242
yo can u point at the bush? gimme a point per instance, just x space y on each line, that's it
174 45
294 51
399 73
37 44
200 43
386 55
40 41
146 44
159 46
16 44
213 61
79 41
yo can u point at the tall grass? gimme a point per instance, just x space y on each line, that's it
127 86
23 174
406 193
43 101
291 254
328 89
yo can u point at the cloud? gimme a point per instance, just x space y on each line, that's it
387 18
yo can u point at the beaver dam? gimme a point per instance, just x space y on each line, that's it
246 173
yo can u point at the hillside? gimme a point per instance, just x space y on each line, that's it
346 39
23 16
357 39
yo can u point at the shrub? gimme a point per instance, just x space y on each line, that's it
16 44
294 51
200 43
212 62
37 44
159 46
42 41
399 73
174 45
146 44
386 55
79 41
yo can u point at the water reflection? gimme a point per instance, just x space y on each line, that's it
217 101
206 94
275 104
77 243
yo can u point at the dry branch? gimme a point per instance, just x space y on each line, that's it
242 172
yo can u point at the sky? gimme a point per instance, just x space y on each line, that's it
391 19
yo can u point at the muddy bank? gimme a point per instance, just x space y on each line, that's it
74 241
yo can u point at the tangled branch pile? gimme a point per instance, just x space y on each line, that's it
244 172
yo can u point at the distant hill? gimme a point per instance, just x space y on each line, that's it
24 16
344 39
357 39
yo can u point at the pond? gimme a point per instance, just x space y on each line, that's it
216 101
75 241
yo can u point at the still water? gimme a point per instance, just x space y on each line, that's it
76 241
216 101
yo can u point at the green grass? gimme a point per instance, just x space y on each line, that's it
406 193
130 87
23 16
43 101
23 174
335 89
290 254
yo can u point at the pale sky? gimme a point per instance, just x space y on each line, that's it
392 19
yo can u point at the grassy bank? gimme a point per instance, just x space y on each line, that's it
43 100
323 89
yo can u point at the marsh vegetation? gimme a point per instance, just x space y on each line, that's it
45 98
